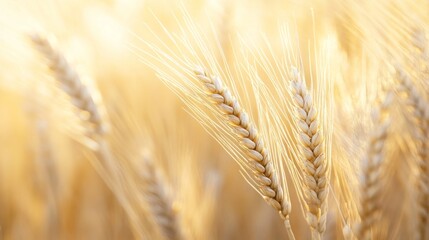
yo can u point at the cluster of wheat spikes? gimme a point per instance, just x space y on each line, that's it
84 101
324 114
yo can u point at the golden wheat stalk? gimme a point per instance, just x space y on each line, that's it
421 116
371 187
161 205
46 164
44 161
264 172
314 157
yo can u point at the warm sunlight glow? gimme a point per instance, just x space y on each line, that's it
214 119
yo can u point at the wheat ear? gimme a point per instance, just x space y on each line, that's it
421 116
372 170
156 196
314 157
263 169
70 82
95 123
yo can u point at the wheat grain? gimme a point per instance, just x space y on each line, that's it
263 169
347 232
315 165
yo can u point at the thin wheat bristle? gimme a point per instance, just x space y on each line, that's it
264 173
371 187
312 146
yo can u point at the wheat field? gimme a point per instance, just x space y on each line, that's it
214 119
